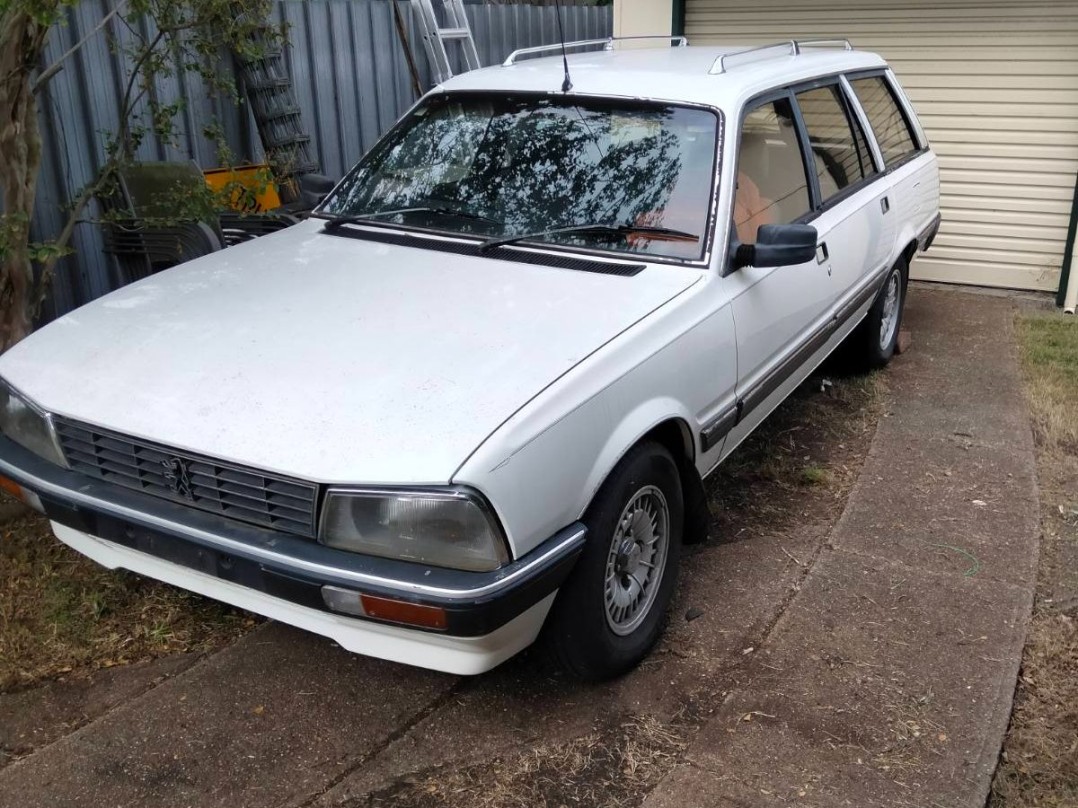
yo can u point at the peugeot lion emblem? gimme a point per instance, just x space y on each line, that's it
178 477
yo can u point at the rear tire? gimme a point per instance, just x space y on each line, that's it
875 339
610 612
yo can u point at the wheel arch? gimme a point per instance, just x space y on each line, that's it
674 433
907 255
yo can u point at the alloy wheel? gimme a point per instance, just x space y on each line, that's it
636 560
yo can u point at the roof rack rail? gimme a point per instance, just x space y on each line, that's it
608 44
824 43
792 46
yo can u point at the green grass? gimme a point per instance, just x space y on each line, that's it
1050 342
814 475
1049 348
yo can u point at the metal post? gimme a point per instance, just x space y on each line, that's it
1068 249
677 17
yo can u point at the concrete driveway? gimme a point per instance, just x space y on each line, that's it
842 651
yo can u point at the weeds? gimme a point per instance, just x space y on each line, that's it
813 475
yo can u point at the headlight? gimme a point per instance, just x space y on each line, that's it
27 425
449 527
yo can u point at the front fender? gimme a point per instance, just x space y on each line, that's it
549 482
542 469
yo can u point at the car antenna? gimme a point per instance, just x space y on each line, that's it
567 84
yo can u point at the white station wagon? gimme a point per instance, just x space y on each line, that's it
470 403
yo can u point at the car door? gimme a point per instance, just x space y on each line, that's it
777 309
854 219
912 173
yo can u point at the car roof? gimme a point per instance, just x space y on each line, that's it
678 74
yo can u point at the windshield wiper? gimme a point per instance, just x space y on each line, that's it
358 218
661 233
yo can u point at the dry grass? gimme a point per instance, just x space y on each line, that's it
1049 346
609 767
62 614
1039 768
1040 758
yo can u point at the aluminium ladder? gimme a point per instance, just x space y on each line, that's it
435 36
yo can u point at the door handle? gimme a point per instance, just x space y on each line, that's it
821 253
885 204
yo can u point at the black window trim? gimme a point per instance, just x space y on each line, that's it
754 103
852 189
922 146
790 91
704 261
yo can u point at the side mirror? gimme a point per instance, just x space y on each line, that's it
778 245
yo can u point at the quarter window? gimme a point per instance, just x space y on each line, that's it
888 123
839 149
772 187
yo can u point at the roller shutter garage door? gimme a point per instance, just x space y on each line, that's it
995 85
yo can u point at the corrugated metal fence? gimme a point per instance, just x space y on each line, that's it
351 79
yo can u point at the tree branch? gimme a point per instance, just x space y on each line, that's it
50 71
48 267
128 103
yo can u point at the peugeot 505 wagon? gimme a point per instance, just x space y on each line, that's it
471 402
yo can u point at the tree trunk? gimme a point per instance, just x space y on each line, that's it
22 38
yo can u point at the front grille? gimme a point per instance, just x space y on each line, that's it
239 493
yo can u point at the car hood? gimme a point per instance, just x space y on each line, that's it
329 358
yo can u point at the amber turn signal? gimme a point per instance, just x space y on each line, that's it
12 488
21 494
391 610
400 611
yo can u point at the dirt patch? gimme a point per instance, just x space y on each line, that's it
62 615
1039 765
804 458
611 766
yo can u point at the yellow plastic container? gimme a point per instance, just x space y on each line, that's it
252 188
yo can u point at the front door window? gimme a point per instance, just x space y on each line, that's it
772 187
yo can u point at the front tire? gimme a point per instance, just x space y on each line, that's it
610 612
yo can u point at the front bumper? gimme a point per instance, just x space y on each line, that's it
489 616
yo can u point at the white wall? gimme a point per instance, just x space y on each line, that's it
642 17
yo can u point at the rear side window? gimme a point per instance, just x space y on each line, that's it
838 146
890 125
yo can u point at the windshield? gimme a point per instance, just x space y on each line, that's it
502 167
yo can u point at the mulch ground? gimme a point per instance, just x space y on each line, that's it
62 615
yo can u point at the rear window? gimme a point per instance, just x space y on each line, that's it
892 130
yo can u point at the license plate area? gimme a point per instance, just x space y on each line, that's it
177 551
